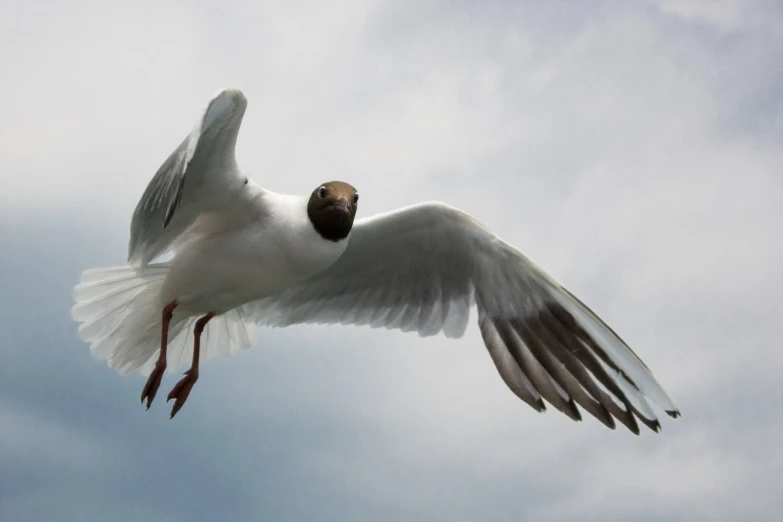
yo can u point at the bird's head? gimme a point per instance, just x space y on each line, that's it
332 208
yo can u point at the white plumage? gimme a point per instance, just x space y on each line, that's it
251 256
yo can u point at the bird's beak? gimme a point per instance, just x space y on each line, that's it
342 204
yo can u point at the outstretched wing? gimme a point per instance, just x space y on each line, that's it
201 174
421 269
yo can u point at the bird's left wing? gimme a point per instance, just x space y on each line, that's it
200 175
421 269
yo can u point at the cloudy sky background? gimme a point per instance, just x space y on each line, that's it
632 149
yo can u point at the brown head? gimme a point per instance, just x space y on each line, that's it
331 209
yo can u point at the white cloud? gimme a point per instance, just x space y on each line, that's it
726 15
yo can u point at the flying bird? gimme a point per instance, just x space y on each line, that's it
244 255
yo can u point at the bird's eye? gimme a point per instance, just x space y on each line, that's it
356 198
322 192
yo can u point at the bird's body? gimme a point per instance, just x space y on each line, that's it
226 263
244 254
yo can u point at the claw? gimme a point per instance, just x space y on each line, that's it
181 390
153 383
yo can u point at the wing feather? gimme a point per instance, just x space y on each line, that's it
507 365
543 348
200 174
423 267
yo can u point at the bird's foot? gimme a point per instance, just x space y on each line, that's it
153 383
181 390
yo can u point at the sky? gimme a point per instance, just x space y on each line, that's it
632 149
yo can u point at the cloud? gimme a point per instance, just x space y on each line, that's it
631 149
725 15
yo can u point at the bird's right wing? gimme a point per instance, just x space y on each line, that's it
200 175
421 269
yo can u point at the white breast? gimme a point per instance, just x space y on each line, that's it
220 271
297 241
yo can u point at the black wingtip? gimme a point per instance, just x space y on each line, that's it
674 414
169 215
629 421
541 406
573 412
173 206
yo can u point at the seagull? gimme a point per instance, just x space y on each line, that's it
243 255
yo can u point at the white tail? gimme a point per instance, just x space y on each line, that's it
120 311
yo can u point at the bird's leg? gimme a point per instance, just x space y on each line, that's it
182 389
153 382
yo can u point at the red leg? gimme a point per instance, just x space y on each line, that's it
153 382
182 389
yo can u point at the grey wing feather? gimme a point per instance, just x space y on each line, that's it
423 267
164 192
173 178
200 171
